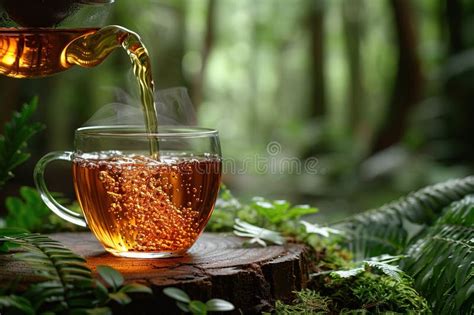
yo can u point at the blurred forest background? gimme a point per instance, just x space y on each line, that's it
379 92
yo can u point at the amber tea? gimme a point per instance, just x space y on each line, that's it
137 204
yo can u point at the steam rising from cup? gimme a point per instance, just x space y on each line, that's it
173 106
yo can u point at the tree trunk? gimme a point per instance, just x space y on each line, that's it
217 266
353 29
316 28
454 19
408 86
209 37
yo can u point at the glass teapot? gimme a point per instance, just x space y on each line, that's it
41 38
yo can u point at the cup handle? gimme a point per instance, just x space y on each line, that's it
52 204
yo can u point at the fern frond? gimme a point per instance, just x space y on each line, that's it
16 134
390 228
68 282
441 263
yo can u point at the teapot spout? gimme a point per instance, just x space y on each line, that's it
92 49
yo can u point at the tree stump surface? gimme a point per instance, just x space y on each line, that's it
217 266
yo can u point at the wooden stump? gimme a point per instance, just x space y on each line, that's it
217 266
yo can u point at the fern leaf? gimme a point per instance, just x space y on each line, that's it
17 132
389 270
441 263
390 228
69 284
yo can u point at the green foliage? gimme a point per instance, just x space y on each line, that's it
442 261
278 212
16 304
16 134
390 228
30 212
67 282
306 302
257 234
274 215
66 285
184 303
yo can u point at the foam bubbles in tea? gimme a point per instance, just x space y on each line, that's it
138 204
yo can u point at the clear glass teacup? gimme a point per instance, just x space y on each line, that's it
138 206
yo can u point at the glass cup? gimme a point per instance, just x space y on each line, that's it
138 206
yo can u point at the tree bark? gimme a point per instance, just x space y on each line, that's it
408 88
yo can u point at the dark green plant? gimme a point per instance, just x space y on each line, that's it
29 212
66 284
442 261
16 134
390 228
184 303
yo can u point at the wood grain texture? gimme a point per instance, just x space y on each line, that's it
217 266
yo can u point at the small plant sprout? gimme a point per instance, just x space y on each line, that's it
313 228
279 211
257 234
119 291
184 303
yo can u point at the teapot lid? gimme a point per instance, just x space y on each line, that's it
44 13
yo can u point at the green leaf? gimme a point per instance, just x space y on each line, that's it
441 262
12 231
6 246
120 297
219 305
16 134
197 307
321 230
29 212
390 228
111 276
177 294
101 291
68 285
16 302
135 288
347 273
389 270
257 234
183 306
99 311
279 211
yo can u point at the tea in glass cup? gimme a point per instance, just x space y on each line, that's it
137 205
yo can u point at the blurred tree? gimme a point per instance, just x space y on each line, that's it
209 38
353 25
454 20
316 26
408 86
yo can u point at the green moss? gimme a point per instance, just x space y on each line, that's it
366 293
306 302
